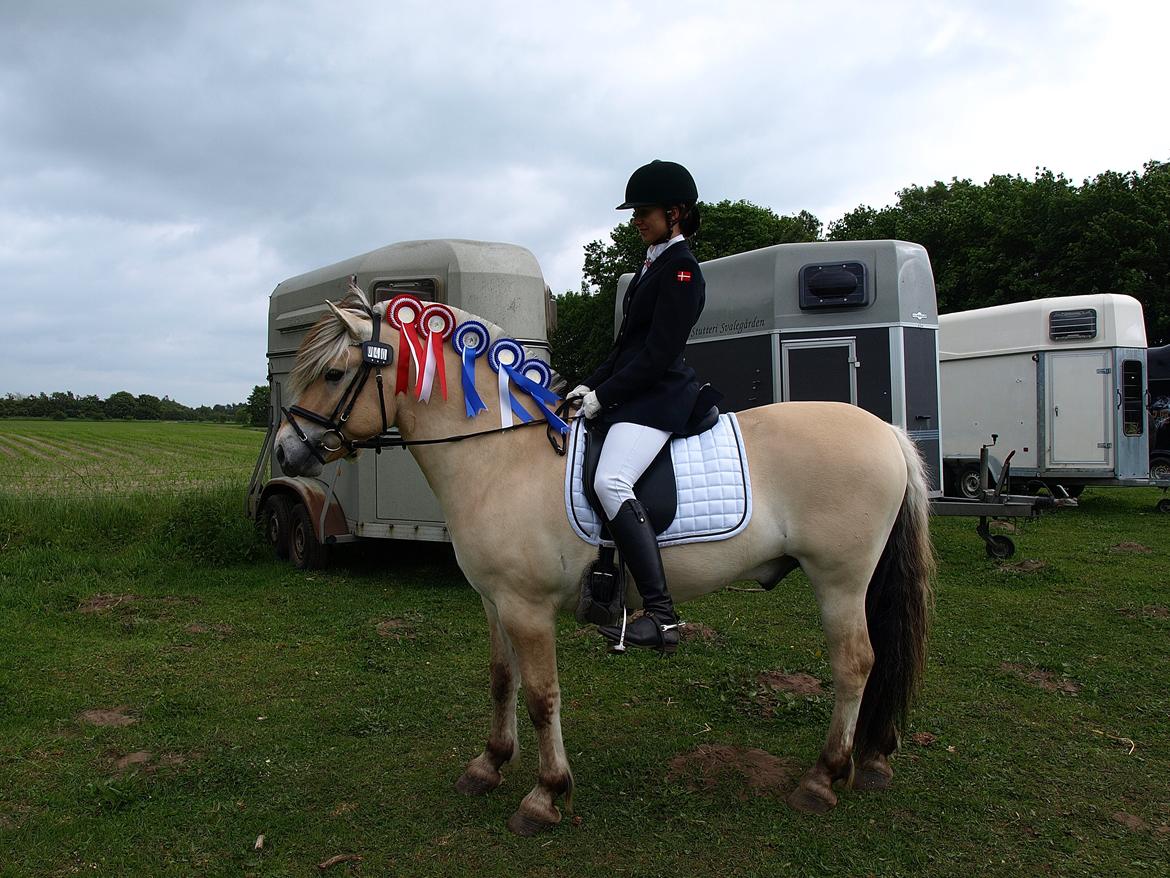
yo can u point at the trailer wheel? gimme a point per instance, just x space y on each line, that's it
1160 468
275 520
304 549
1000 547
968 482
1164 504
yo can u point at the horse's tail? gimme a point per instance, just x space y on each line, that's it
897 609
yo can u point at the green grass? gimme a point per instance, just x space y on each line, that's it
269 703
73 458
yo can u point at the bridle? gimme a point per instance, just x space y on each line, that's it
375 355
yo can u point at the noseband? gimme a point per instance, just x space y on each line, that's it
375 355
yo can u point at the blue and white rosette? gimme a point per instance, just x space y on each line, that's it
470 341
534 376
504 356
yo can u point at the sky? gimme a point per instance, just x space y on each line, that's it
163 165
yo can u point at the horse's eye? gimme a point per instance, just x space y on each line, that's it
334 374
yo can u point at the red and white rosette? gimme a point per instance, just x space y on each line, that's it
437 323
403 313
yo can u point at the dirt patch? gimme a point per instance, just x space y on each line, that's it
1003 527
799 683
1130 821
754 772
99 603
1130 548
1150 611
146 762
923 739
1046 680
344 808
202 628
1028 565
697 632
396 628
116 716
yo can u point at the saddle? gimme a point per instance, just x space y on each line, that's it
656 489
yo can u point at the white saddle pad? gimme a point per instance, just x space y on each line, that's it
711 473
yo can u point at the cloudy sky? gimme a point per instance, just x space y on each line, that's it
164 165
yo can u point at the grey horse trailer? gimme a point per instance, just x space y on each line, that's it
383 495
844 321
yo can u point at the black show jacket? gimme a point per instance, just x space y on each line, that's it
645 379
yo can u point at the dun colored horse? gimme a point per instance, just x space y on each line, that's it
835 491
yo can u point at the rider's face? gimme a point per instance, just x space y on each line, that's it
650 223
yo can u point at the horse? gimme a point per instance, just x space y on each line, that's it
836 491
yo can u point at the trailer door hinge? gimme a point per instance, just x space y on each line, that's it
1105 371
1104 444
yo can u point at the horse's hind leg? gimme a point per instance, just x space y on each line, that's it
840 592
482 774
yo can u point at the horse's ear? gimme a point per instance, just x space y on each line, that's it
355 290
353 325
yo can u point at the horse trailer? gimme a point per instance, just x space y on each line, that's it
843 321
1158 363
383 495
1061 381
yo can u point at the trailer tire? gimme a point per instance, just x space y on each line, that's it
967 483
275 521
304 549
1000 547
1164 504
1160 467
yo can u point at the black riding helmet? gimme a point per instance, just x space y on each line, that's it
658 184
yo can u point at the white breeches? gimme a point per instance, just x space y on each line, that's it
628 451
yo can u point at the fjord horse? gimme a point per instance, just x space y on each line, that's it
835 491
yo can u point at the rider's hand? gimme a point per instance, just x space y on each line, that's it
577 392
590 405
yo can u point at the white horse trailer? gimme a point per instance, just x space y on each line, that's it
383 495
843 321
1060 381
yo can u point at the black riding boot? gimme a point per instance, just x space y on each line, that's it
638 545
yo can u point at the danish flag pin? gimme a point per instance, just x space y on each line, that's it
684 276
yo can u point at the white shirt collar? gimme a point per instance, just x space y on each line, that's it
655 250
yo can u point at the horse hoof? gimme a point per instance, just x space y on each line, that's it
807 802
476 784
870 779
526 826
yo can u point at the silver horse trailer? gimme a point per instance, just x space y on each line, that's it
383 495
1060 381
845 321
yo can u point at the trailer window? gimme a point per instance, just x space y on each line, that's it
424 288
1065 325
1132 397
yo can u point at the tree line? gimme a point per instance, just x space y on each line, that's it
126 406
1011 239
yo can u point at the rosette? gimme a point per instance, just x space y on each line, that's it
436 322
503 356
403 313
470 341
533 377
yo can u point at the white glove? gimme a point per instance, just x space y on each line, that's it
591 405
579 392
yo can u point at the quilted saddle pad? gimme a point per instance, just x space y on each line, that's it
711 473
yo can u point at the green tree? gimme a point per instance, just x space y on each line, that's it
258 405
148 408
121 405
585 320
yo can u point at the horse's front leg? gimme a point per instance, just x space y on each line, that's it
531 628
482 774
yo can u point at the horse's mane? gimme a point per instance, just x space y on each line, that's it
328 339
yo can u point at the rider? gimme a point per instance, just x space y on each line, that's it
644 390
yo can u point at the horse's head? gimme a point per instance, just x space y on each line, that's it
335 388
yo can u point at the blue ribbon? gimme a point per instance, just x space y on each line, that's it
540 395
471 398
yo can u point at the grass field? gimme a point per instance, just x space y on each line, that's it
168 694
75 458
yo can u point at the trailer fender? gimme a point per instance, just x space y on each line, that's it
312 494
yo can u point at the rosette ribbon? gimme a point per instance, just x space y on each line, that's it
437 323
533 377
503 356
470 341
403 314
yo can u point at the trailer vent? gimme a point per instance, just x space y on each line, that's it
1067 325
833 285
